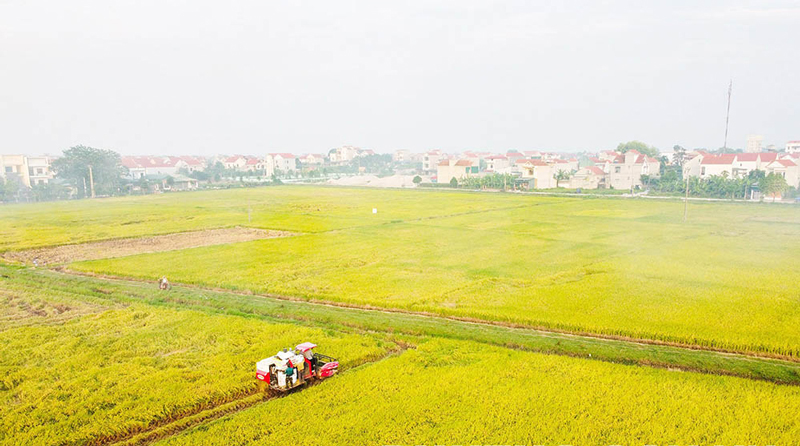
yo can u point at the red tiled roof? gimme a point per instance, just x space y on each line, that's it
747 157
496 157
787 163
595 170
532 162
444 162
514 155
767 157
463 163
719 159
253 161
283 155
232 159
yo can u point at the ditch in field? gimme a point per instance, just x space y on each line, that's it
125 247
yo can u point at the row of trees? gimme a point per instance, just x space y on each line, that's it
716 186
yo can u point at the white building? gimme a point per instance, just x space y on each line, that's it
280 164
15 168
626 170
39 170
448 169
343 154
431 159
754 143
793 147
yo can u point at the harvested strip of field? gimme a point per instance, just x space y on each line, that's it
125 247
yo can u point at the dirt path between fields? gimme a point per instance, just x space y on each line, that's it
125 247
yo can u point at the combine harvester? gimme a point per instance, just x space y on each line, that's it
294 368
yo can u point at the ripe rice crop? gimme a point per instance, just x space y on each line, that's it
77 369
450 392
627 268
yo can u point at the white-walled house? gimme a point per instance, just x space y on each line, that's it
538 173
456 168
626 170
280 163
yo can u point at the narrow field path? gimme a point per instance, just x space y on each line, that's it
642 352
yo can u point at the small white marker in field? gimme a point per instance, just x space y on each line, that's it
374 210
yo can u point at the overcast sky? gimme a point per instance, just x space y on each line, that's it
201 77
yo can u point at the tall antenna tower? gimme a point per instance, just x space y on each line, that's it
727 117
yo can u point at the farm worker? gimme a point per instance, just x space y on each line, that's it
289 373
163 283
311 360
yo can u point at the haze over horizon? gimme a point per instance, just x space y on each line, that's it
147 77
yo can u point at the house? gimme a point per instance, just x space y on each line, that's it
312 159
626 170
236 162
793 147
280 164
141 166
496 163
456 168
786 168
15 168
193 163
343 154
590 177
254 164
537 173
39 170
430 160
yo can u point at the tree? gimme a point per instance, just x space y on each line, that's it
417 179
453 182
73 166
638 146
9 190
561 176
773 185
679 155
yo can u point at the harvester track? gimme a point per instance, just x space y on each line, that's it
208 412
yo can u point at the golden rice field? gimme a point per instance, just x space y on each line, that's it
448 392
81 368
630 268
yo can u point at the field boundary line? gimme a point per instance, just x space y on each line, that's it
462 319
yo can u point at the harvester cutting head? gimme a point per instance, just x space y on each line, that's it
291 368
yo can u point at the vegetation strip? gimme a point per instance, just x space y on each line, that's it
381 320
468 320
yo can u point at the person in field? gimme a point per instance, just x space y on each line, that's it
290 371
163 284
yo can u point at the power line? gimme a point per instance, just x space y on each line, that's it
727 117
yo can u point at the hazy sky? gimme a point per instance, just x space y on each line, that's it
205 77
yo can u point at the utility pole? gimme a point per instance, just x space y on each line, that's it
727 117
91 180
686 199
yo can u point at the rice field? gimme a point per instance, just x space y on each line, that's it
448 392
628 268
83 368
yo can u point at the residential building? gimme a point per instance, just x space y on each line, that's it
786 168
626 170
312 159
793 147
456 168
343 154
280 164
141 166
589 177
496 163
754 143
537 173
236 162
193 163
15 168
39 170
254 164
430 161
